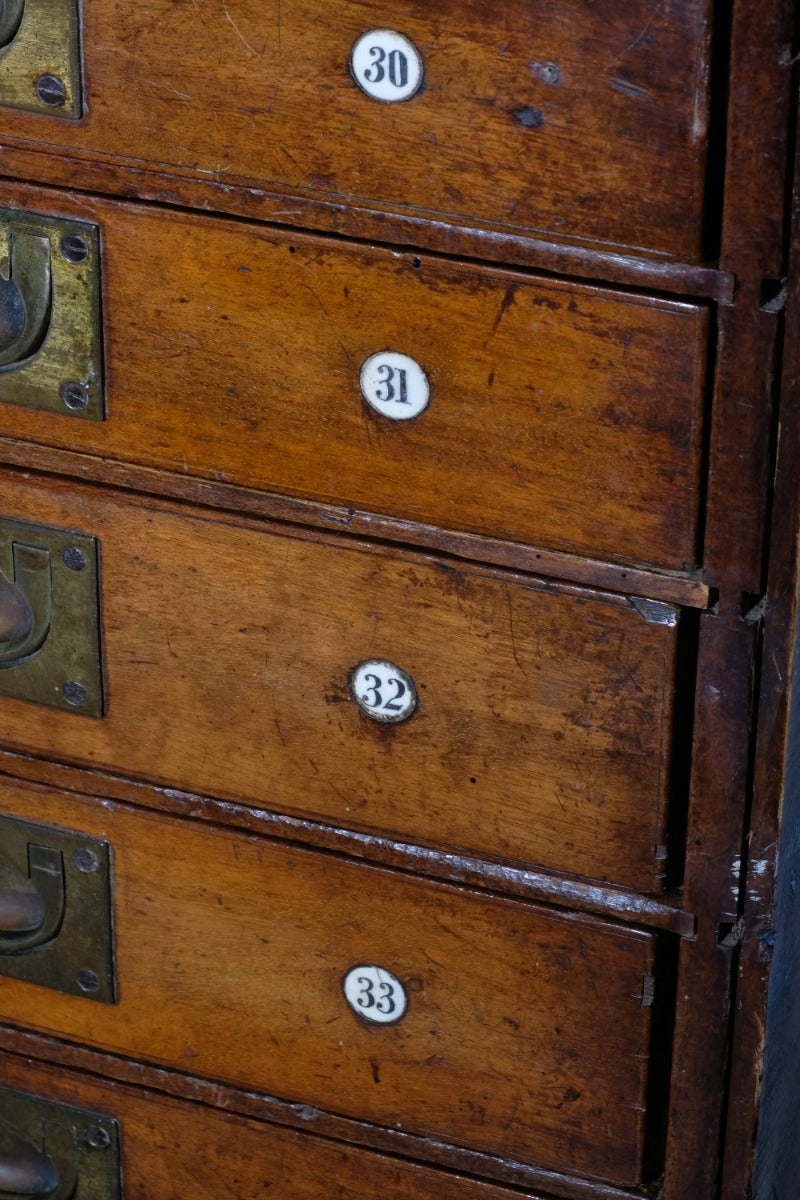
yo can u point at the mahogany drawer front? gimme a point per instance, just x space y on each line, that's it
563 118
234 352
544 714
525 1031
172 1148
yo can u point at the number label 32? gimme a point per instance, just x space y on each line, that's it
383 691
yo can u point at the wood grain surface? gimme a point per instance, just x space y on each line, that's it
566 416
589 120
560 744
543 727
526 1032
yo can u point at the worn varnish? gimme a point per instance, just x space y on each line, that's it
526 1031
600 135
233 352
542 732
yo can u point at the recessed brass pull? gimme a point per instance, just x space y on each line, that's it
51 338
50 617
16 614
26 605
55 910
21 907
40 56
10 20
52 1151
31 910
25 299
24 1170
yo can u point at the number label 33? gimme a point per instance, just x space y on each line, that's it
375 994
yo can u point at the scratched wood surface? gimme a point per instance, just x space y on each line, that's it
233 352
172 1148
543 727
526 1031
589 120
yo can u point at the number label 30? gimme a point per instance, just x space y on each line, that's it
375 994
383 691
387 65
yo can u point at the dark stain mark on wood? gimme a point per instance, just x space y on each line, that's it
528 117
505 304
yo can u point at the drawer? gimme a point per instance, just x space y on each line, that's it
512 1029
172 1148
574 119
543 716
237 353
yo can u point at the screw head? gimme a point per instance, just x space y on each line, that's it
546 72
51 90
74 395
74 693
97 1137
74 249
73 558
87 980
85 860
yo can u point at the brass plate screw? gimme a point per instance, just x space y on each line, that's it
97 1137
73 693
75 395
74 558
51 90
74 249
85 860
87 980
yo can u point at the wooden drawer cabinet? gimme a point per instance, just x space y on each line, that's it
398 570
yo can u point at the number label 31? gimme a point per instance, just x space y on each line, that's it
394 385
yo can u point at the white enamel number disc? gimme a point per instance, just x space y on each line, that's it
386 65
394 385
383 691
375 994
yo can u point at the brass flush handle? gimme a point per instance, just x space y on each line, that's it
25 296
31 909
48 1174
52 1151
10 19
26 605
24 1170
